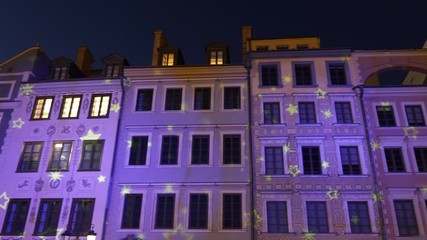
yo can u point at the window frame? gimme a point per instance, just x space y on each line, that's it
357 197
91 161
147 150
404 161
149 147
327 212
183 97
350 216
14 221
261 80
393 106
210 135
160 144
91 106
211 98
12 89
153 98
167 59
241 97
421 148
344 116
311 142
300 116
423 113
215 58
75 201
312 72
346 73
71 106
414 217
243 211
18 169
125 205
43 106
209 211
350 161
242 146
175 210
352 141
280 197
272 115
49 167
39 214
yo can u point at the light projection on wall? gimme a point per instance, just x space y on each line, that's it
292 109
179 231
27 89
332 194
115 107
127 82
257 219
125 190
107 81
354 219
101 178
287 148
287 78
5 199
320 93
325 164
375 145
294 170
90 136
385 104
377 196
18 123
307 235
54 176
411 132
268 178
170 128
168 188
327 113
128 143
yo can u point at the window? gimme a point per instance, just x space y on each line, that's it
311 160
100 105
421 156
81 216
282 47
48 217
70 107
200 149
173 99
231 97
16 216
307 112
198 213
269 75
168 59
343 112
414 114
317 217
277 217
202 98
5 89
337 73
30 157
144 100
274 161
60 73
271 113
112 71
61 152
91 155
385 116
217 58
232 211
132 211
303 74
350 160
231 149
262 48
138 150
42 108
359 217
405 216
165 211
170 146
394 159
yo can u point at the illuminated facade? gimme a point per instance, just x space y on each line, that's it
59 150
182 169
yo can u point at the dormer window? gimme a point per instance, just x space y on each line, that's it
282 47
60 73
262 48
112 70
302 46
168 59
217 58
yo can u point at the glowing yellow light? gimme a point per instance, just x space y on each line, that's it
6 200
325 164
101 178
261 159
375 145
287 78
292 109
115 107
58 233
18 123
320 93
332 194
287 148
27 89
411 132
308 235
327 113
294 170
268 178
107 81
180 230
170 128
55 176
168 188
91 136
377 196
125 190
354 219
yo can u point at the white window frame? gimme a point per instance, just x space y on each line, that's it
395 142
268 98
274 142
244 211
155 194
210 207
317 197
128 149
352 141
242 96
419 103
243 157
153 103
212 99
277 197
135 190
419 142
160 141
183 102
371 208
311 142
190 146
352 106
396 116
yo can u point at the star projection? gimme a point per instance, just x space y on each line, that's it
27 89
325 164
287 78
355 219
385 104
55 176
320 93
107 81
115 107
180 231
294 170
18 123
125 190
91 136
5 199
257 218
168 188
101 179
307 235
292 109
377 196
411 132
127 82
287 148
327 113
332 194
375 145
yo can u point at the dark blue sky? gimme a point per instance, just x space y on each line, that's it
126 26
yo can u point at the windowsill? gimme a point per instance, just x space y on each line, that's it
398 173
339 85
305 86
275 176
273 125
198 230
232 109
231 165
173 111
57 170
199 165
353 175
33 171
232 230
136 166
40 234
420 173
361 234
88 170
272 86
309 124
89 117
39 119
345 124
314 175
145 111
168 165
201 110
70 118
281 233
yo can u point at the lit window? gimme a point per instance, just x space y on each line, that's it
317 217
48 217
414 114
100 105
80 221
70 107
91 155
202 98
405 216
343 112
274 161
138 150
112 71
359 217
217 58
311 160
231 97
30 157
60 156
277 217
394 159
232 211
165 210
271 113
16 216
198 212
42 108
144 100
169 154
60 73
132 211
168 59
385 116
307 113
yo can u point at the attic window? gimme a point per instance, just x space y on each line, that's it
302 46
168 59
282 47
60 72
262 48
112 70
217 58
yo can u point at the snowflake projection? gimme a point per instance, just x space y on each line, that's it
320 93
377 196
125 190
385 104
355 219
101 178
55 176
292 109
27 89
375 145
127 82
332 194
91 136
307 235
58 233
168 188
327 113
5 199
325 164
18 123
115 107
257 218
287 148
287 78
129 143
268 178
294 170
107 81
411 132
178 231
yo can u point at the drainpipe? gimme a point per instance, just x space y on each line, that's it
359 92
110 183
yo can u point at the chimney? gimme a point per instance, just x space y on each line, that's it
246 35
159 41
84 59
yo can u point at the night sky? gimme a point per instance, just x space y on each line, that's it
126 27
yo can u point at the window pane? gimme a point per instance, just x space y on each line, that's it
132 211
277 217
169 150
81 214
405 216
198 212
48 217
232 211
138 151
317 217
231 149
165 210
311 160
232 98
274 161
359 217
269 75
